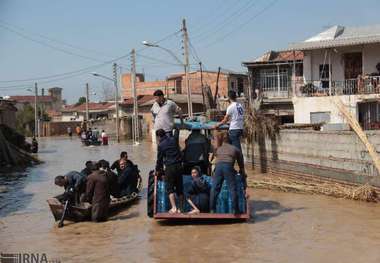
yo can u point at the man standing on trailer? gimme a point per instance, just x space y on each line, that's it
163 111
234 115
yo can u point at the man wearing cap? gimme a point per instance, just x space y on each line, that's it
163 111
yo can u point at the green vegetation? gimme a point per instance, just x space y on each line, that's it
81 100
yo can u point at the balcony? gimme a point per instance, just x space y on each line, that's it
367 85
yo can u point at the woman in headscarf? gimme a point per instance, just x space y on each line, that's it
198 194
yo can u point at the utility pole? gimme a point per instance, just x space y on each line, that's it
36 133
114 67
203 90
87 110
187 68
135 118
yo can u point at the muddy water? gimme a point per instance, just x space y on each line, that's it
284 228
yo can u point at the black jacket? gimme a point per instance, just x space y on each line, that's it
168 152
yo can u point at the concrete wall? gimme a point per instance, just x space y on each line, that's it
337 155
303 106
371 56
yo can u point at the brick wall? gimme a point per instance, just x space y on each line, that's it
144 87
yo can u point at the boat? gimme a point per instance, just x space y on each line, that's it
91 143
82 212
157 199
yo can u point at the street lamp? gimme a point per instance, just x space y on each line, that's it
183 64
114 80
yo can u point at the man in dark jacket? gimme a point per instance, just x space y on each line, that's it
169 154
98 194
90 167
116 164
127 179
112 178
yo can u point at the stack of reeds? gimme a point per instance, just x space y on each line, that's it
315 185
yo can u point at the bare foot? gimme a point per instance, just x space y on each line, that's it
173 210
194 212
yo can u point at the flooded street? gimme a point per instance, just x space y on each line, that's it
284 227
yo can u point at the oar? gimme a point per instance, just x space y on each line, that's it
60 224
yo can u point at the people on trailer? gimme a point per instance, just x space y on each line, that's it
98 194
226 155
69 131
163 111
197 195
90 167
104 137
169 154
234 115
95 134
116 164
78 130
84 135
74 184
127 179
196 152
89 134
111 177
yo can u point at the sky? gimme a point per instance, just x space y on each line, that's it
59 43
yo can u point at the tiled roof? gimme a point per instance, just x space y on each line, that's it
274 56
338 36
31 98
95 106
141 100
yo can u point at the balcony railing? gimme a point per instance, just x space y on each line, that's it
368 85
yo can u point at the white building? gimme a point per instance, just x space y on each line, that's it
344 62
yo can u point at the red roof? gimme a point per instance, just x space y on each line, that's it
31 98
274 56
141 99
91 106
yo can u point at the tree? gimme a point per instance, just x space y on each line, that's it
25 120
81 100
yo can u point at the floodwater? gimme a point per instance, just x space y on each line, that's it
284 227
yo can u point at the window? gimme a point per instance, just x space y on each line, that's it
299 70
318 117
269 79
240 84
324 75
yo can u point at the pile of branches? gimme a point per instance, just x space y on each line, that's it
315 185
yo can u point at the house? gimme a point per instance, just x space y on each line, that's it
340 61
8 113
271 77
175 83
228 80
97 110
144 87
52 101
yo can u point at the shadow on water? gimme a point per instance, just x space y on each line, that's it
12 194
263 210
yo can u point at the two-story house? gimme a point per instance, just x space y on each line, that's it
341 61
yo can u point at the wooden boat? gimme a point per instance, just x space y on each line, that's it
82 212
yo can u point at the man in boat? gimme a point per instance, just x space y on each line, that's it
234 115
111 177
116 164
90 167
74 184
163 111
98 194
169 154
226 155
196 152
127 179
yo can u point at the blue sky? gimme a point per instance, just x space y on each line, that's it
87 33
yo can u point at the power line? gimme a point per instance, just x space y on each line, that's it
242 25
47 44
237 13
56 40
82 70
